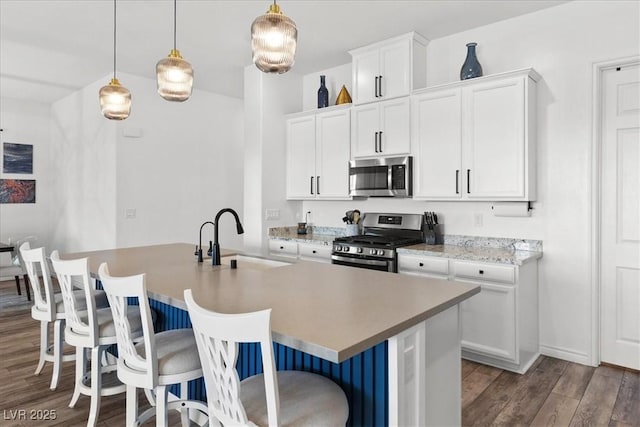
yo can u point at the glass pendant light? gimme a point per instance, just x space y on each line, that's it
273 41
115 99
174 74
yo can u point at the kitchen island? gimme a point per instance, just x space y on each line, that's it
391 342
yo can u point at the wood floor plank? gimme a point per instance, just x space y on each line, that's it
474 384
486 407
557 410
596 406
627 406
468 367
574 381
531 395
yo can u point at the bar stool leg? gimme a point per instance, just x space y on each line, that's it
96 386
44 345
58 331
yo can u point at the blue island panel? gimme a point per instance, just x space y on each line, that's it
363 377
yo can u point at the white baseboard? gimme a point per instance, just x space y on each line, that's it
566 354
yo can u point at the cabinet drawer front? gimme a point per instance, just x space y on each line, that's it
283 248
489 273
315 252
414 264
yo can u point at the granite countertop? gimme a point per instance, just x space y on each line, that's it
473 253
330 311
317 235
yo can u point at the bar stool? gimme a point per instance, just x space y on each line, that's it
48 307
159 360
293 398
89 329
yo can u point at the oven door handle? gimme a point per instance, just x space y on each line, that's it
360 260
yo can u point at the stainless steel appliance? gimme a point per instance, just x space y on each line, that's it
381 177
375 248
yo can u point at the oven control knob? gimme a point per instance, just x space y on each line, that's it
338 248
359 250
381 252
372 251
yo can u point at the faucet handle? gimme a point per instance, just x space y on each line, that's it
196 252
210 251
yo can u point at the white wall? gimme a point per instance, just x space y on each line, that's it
561 43
26 122
186 165
267 99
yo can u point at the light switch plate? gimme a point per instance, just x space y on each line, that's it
130 213
272 214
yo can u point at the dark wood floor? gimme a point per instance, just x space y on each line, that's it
552 393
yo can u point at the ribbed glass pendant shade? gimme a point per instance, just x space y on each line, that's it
175 77
273 41
115 101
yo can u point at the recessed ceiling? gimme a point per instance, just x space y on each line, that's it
50 48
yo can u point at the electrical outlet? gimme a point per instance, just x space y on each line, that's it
272 214
130 213
477 219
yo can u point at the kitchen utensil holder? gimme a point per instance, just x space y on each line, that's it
352 230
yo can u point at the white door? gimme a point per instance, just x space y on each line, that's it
365 71
437 139
395 69
332 154
301 157
620 217
495 140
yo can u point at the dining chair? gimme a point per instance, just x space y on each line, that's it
48 307
291 398
156 362
90 330
17 267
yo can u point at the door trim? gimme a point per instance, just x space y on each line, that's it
596 195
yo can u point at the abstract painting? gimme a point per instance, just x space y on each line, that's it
18 158
17 190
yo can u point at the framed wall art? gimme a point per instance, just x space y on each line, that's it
17 190
17 158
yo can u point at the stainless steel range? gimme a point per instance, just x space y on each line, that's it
375 248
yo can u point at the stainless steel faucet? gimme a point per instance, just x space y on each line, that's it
215 256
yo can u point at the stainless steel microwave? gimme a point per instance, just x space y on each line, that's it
381 177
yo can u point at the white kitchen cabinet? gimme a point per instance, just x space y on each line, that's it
315 252
500 324
284 248
475 140
318 149
389 69
381 129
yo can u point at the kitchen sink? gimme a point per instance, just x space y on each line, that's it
250 262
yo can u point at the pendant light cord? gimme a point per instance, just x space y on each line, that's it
114 39
174 24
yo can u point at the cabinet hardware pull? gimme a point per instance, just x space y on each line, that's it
481 271
457 181
318 185
380 140
468 181
375 142
375 87
421 265
311 190
380 86
314 251
281 247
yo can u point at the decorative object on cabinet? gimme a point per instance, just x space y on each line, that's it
174 75
389 69
471 67
273 41
115 99
17 190
323 94
343 96
17 158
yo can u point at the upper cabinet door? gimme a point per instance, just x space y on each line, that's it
394 130
332 154
495 166
301 176
365 70
437 138
395 70
365 127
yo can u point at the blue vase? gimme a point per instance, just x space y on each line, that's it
471 67
323 94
